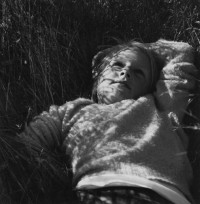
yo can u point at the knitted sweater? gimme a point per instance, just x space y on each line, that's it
140 137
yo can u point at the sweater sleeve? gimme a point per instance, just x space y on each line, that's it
45 131
175 87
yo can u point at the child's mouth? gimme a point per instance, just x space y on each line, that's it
123 83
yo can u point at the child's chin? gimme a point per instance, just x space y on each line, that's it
114 98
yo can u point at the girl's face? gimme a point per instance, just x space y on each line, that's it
127 76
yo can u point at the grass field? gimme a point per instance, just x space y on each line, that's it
45 58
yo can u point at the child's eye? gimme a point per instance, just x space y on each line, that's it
117 64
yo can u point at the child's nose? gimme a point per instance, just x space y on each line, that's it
125 74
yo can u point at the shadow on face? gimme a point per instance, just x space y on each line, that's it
126 76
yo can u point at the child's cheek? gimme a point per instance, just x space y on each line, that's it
110 74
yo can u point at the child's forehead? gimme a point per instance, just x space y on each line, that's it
128 53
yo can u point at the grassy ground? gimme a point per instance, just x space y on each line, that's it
45 58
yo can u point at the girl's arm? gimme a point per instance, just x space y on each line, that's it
45 132
175 87
178 76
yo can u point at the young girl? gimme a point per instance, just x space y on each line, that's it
126 145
